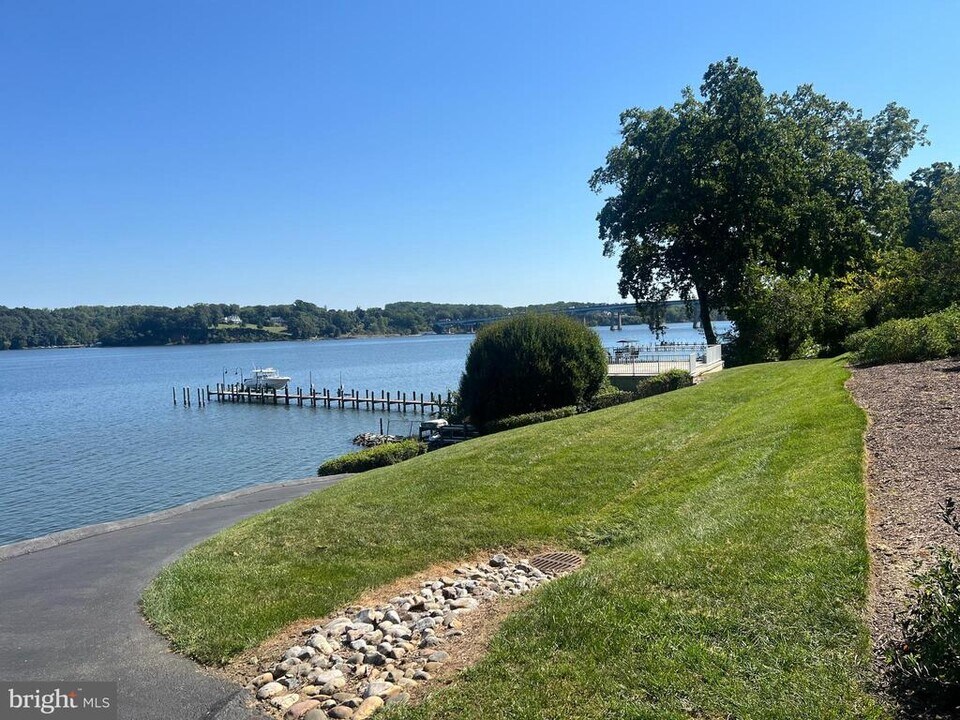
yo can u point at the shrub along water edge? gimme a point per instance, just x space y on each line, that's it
530 363
370 458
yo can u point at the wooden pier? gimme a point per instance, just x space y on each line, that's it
342 399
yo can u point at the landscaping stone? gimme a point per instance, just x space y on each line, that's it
347 668
367 708
270 689
301 708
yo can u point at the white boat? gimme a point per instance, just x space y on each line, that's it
266 379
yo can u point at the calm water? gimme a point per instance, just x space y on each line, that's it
91 435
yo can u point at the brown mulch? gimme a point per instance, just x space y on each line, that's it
913 465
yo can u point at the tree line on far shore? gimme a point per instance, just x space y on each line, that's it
201 323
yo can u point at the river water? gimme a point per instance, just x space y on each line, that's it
91 435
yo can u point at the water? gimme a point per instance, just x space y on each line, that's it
91 435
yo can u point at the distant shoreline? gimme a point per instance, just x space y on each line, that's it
347 336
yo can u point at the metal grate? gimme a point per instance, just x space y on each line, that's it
557 562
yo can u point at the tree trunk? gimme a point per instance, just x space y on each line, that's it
705 322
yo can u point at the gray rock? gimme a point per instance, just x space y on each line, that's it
369 616
283 702
271 689
374 658
438 657
380 688
325 676
340 712
424 623
320 643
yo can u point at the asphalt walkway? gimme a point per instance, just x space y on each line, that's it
68 607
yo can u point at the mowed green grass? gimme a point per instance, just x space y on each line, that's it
726 560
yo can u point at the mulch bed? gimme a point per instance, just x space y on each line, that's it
913 456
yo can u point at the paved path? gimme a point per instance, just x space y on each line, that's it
69 612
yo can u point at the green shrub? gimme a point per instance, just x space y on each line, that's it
515 421
528 364
664 382
925 663
609 400
908 340
380 456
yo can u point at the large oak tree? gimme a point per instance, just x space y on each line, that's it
731 180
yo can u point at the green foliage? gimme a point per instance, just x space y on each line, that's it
202 323
733 180
726 574
530 363
515 421
778 318
610 399
664 382
925 663
370 458
908 340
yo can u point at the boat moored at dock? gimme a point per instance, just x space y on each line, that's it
266 379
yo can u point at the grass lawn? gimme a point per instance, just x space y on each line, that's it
726 571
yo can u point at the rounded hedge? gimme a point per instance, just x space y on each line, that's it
528 364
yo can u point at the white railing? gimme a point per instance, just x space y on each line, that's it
660 358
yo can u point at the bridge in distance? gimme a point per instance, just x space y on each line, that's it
619 308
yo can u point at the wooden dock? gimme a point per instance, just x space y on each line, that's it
340 399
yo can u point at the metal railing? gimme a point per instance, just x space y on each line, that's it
661 358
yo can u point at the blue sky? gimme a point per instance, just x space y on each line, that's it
358 153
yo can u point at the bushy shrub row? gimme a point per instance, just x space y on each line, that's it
609 399
380 456
664 382
908 340
515 421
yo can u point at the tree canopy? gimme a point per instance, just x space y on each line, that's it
731 184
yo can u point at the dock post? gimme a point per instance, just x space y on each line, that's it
381 426
199 398
174 397
388 402
286 395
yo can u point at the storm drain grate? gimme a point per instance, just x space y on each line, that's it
557 562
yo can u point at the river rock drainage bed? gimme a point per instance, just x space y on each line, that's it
372 656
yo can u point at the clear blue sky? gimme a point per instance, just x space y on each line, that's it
357 153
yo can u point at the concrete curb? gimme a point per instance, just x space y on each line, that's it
63 537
